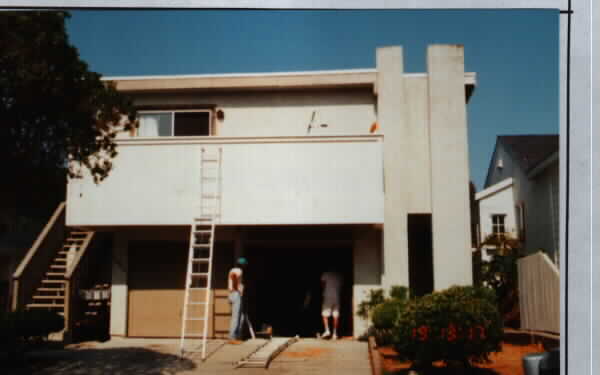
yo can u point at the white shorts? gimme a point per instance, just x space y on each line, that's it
331 306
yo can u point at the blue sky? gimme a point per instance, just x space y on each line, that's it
514 53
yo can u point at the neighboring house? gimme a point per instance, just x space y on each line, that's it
363 169
520 196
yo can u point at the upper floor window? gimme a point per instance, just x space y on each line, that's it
175 123
498 227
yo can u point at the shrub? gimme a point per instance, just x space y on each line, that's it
458 324
365 308
399 292
383 318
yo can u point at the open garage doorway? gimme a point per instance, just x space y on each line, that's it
284 287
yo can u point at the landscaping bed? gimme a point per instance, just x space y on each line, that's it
506 362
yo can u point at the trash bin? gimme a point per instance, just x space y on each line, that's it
550 362
531 363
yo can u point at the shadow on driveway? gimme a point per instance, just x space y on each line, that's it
128 360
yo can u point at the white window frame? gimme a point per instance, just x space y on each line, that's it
494 225
212 131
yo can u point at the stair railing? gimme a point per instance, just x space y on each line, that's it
75 269
34 265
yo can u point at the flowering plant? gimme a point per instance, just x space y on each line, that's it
458 324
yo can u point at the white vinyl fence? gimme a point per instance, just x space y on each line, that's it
539 293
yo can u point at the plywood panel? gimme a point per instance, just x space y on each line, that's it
156 290
156 287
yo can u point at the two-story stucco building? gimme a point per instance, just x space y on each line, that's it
364 169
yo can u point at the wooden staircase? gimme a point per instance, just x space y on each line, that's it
51 292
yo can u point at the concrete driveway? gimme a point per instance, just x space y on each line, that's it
160 357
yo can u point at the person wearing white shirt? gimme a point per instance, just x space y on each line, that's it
332 285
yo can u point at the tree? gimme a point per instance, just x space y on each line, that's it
500 274
53 109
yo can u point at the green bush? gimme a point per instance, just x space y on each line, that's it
399 292
365 308
459 324
20 329
386 313
384 316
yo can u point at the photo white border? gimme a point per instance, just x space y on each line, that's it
581 330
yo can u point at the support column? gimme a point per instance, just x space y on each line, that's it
449 167
366 256
391 116
119 288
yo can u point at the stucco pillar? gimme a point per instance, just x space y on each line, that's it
119 290
392 118
449 167
366 256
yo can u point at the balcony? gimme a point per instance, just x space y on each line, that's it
266 180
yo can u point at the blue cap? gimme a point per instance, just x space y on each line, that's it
241 261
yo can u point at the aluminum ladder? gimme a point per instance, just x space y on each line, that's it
197 297
265 353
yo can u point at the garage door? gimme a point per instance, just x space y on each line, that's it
156 289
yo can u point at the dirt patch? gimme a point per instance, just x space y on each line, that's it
506 362
306 353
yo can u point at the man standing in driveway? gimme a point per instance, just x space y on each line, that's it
235 285
332 285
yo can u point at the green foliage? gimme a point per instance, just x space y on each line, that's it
382 311
500 274
53 108
366 307
21 329
384 317
458 324
399 292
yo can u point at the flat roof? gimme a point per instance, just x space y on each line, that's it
357 78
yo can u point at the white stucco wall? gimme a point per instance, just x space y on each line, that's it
367 271
291 181
119 288
451 222
281 113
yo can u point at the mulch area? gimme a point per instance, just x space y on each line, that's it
506 362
